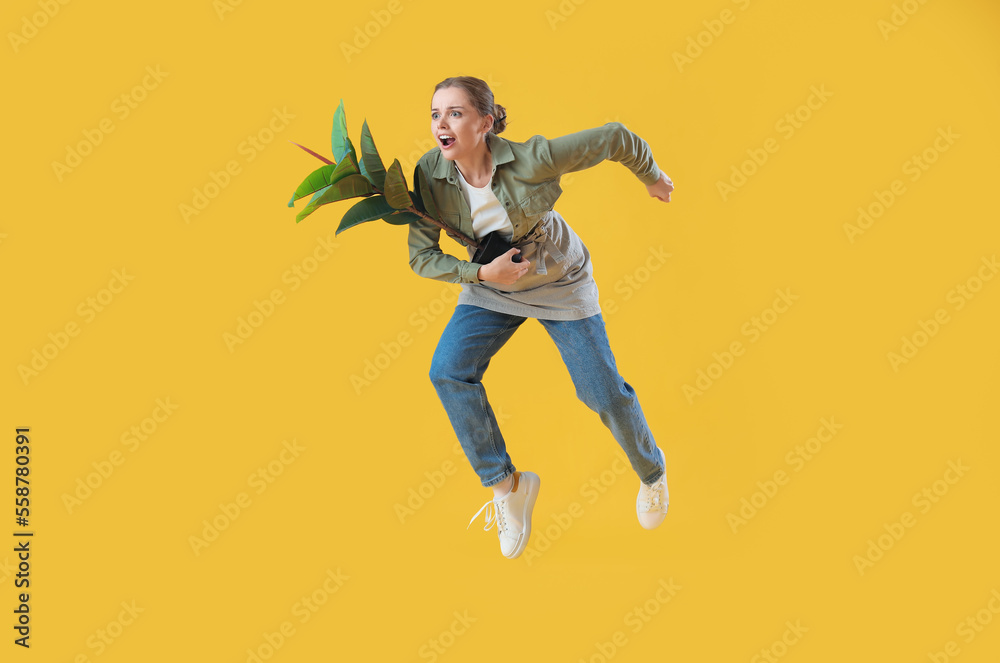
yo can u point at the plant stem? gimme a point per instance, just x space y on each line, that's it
448 230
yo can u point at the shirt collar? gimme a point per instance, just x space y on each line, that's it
499 149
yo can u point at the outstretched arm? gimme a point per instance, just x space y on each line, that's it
612 141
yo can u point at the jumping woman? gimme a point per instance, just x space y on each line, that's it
484 184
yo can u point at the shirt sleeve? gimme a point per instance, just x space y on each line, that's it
428 260
613 141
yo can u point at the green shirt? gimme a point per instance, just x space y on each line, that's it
525 181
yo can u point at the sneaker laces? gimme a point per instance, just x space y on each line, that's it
651 495
494 515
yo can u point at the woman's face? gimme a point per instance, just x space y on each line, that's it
457 127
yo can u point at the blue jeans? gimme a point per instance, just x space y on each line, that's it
474 335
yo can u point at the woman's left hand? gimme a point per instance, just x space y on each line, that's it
661 188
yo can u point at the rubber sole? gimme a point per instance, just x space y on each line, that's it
663 516
532 483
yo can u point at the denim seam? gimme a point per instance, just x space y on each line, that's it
482 389
506 473
646 440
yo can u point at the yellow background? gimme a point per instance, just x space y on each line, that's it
557 68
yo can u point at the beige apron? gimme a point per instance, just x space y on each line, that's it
559 284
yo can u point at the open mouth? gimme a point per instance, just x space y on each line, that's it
446 140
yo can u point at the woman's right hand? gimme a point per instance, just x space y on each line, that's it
503 269
661 188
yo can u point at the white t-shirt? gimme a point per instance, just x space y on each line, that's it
487 212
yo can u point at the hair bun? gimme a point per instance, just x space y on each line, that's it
499 119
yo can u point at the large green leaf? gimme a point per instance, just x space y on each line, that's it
347 187
395 187
371 163
373 208
368 209
330 174
347 166
339 139
316 180
351 186
401 218
351 152
319 193
422 194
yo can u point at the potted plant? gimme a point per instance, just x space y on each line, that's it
384 191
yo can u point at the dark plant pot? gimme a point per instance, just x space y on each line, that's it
491 246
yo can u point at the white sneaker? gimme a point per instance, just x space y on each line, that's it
653 500
512 514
